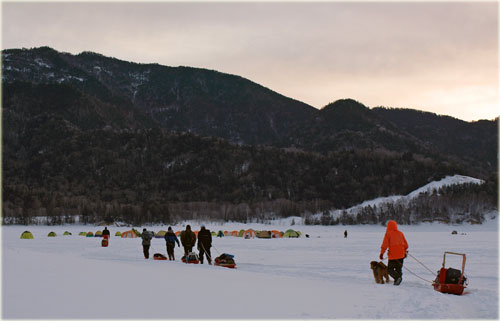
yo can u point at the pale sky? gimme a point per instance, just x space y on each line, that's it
434 56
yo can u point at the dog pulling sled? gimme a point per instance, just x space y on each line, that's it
451 280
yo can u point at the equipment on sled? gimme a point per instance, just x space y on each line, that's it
105 241
159 256
191 258
451 280
225 260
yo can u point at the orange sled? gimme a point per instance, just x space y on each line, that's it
451 280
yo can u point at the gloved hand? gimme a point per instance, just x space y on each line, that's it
381 256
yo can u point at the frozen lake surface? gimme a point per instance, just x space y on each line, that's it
323 276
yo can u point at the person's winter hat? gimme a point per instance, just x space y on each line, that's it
144 230
170 228
188 227
203 227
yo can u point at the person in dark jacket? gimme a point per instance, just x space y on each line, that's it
170 239
105 232
188 240
345 234
204 244
146 242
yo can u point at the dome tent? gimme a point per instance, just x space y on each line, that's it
90 234
52 234
291 233
264 234
82 234
27 235
118 233
67 233
160 234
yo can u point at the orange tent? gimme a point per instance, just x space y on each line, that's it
275 234
177 233
249 233
196 233
129 234
226 233
234 233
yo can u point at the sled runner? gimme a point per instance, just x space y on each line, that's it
451 280
191 258
225 260
159 256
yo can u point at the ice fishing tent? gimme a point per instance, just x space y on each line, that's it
249 233
263 235
129 234
275 234
220 234
234 233
226 233
177 233
291 233
213 233
160 234
82 234
118 233
27 235
67 233
98 234
89 234
240 234
52 234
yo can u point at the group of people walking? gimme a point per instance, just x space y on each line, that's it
188 240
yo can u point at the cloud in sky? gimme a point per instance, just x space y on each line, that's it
435 56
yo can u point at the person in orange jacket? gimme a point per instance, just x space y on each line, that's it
398 247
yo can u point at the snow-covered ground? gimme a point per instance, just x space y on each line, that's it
324 276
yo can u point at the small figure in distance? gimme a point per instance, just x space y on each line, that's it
345 234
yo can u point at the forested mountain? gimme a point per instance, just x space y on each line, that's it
95 136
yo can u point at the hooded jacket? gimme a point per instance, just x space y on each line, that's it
395 241
188 238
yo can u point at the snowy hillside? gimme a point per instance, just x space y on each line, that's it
323 276
428 188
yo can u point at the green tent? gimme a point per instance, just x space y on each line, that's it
67 233
118 233
240 234
90 234
27 235
160 234
291 233
52 234
82 233
213 233
220 234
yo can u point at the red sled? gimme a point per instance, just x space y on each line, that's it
228 265
192 258
225 260
450 280
104 242
159 256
